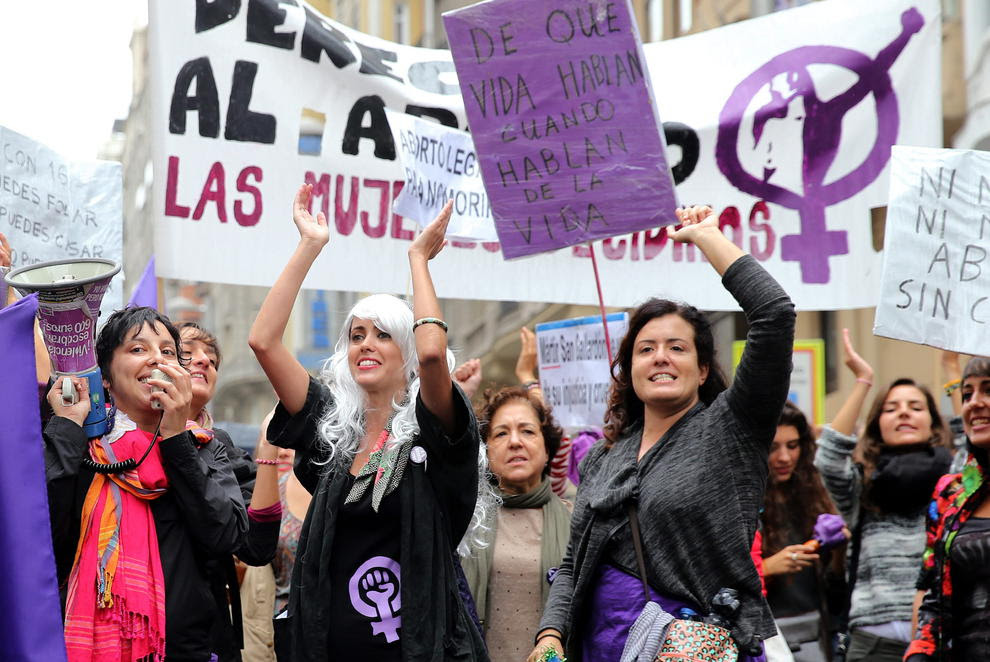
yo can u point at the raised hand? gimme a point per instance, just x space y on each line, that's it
694 221
431 240
526 363
856 363
468 376
311 230
5 254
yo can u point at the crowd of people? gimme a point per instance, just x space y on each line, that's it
383 516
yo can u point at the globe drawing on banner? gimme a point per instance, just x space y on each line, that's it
788 82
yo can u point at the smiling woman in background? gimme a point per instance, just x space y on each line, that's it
509 578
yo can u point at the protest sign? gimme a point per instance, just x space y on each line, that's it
441 164
807 387
936 278
56 209
559 102
773 132
574 367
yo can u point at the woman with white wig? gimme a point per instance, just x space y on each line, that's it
389 447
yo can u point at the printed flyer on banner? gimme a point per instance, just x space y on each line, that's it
441 164
574 367
557 93
807 388
936 277
789 138
53 208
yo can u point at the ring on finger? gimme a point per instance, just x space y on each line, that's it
794 556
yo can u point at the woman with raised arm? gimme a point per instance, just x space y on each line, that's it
882 483
389 448
686 458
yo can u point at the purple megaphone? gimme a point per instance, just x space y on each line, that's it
69 296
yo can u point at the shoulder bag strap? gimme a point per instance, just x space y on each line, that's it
638 546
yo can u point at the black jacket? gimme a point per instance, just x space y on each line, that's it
201 516
438 498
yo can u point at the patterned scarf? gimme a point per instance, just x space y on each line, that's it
386 463
115 610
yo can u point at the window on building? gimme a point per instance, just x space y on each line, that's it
401 30
311 126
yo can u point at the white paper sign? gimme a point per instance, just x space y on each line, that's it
57 209
936 275
574 368
789 137
441 164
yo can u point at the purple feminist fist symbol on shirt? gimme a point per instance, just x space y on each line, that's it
374 590
792 93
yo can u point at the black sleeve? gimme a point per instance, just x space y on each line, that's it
762 377
301 433
261 542
452 460
207 493
241 463
65 447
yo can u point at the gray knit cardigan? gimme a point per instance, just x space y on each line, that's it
699 489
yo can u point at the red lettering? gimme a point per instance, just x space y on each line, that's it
763 210
463 244
214 190
730 218
242 218
653 242
492 246
172 208
580 250
377 231
345 219
321 189
616 250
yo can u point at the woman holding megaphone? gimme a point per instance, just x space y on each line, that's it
136 513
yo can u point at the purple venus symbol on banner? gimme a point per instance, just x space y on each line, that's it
821 136
374 590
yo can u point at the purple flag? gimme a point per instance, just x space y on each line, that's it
31 625
146 291
559 102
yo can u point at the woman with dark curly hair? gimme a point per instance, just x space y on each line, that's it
687 457
882 483
798 521
132 543
509 577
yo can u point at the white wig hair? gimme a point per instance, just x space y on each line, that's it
343 424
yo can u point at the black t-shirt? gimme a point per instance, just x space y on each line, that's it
970 555
365 606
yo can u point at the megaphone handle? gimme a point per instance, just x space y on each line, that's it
69 395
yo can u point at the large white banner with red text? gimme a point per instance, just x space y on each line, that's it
783 123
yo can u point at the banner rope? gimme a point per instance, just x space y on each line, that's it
601 302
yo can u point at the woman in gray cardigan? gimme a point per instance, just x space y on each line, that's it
690 453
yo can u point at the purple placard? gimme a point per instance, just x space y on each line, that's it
559 102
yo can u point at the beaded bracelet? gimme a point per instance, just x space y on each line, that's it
531 385
429 320
259 460
951 386
550 655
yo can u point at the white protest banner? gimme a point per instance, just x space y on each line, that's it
440 164
784 123
574 370
57 209
936 278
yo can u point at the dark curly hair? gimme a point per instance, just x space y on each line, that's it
202 335
495 400
624 406
115 331
871 443
794 505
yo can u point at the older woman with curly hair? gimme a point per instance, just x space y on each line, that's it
509 578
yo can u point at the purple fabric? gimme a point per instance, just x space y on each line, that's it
31 628
828 530
272 513
615 603
146 291
580 446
